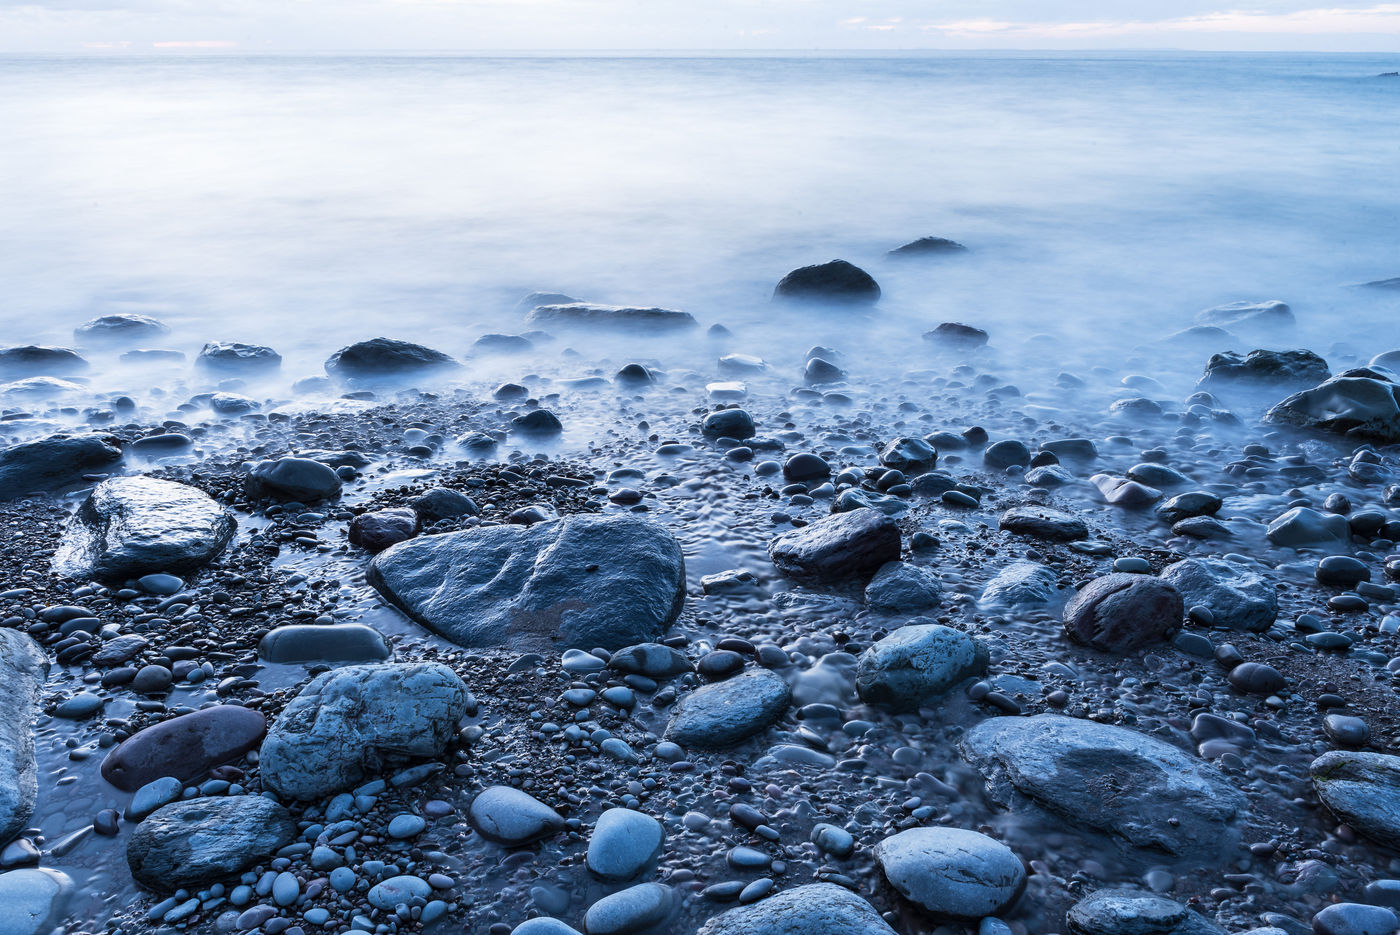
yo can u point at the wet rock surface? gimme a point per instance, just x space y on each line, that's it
23 667
191 843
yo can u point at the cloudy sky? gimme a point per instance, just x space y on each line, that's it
185 26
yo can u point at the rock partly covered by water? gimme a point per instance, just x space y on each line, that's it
1021 584
23 668
54 461
814 909
512 817
293 479
230 357
386 358
582 581
32 901
954 335
1122 612
951 872
1363 790
1264 367
837 547
33 360
124 328
1042 522
899 587
206 840
1110 779
621 317
132 526
185 747
1362 404
1236 596
729 712
1136 912
349 723
916 663
928 246
837 281
1305 526
1248 316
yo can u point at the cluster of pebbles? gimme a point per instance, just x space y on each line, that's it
765 650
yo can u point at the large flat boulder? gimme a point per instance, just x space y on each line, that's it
578 582
54 461
1238 597
726 713
1110 779
185 845
385 358
348 724
1363 790
23 668
627 317
814 909
133 526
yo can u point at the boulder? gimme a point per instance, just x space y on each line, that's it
1120 612
293 479
814 909
1109 779
1239 598
836 282
837 547
927 246
1021 584
125 328
1042 522
624 844
908 454
1302 368
508 816
186 845
726 713
1363 790
901 588
186 746
228 357
386 358
306 642
951 872
578 582
1135 912
1362 404
347 724
23 669
917 663
621 317
17 363
54 461
1303 526
133 526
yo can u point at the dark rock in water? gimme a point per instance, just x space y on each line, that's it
902 588
306 642
729 423
814 909
376 531
1135 912
23 668
508 816
1109 779
805 466
1281 367
1354 919
443 503
1121 612
916 663
502 344
1255 678
119 329
1363 790
537 422
623 317
820 370
1383 283
350 723
186 747
954 334
54 461
1237 597
858 498
1186 505
205 840
1363 404
635 375
1041 522
837 547
928 246
723 714
582 581
132 526
654 660
34 361
386 358
232 357
952 873
1006 453
836 281
1248 315
908 454
1021 584
294 479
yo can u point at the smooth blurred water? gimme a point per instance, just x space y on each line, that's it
308 201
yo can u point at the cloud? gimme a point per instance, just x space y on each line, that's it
1378 19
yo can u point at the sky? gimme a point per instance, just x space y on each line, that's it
213 26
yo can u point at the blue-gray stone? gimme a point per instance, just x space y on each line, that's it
631 910
624 844
32 901
294 479
899 587
398 890
303 642
1135 912
54 461
198 841
917 663
729 712
508 816
951 872
1238 597
814 909
1021 584
1363 790
23 668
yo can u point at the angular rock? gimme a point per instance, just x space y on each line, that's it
1246 316
951 872
229 357
386 358
1362 404
1239 598
582 581
186 747
133 526
908 454
1041 522
1118 613
200 841
835 281
379 529
294 479
726 713
349 723
902 588
917 663
1110 779
814 909
23 668
1264 367
927 246
341 642
54 461
837 547
1363 790
1021 584
508 816
622 317
1135 912
956 335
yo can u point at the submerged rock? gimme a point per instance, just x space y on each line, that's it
1357 403
230 357
928 246
205 840
837 547
125 328
1363 790
1245 316
34 361
1109 779
1021 584
385 358
725 713
185 747
1264 367
54 461
951 872
622 317
582 581
1237 597
23 668
814 909
133 526
836 281
916 663
349 723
